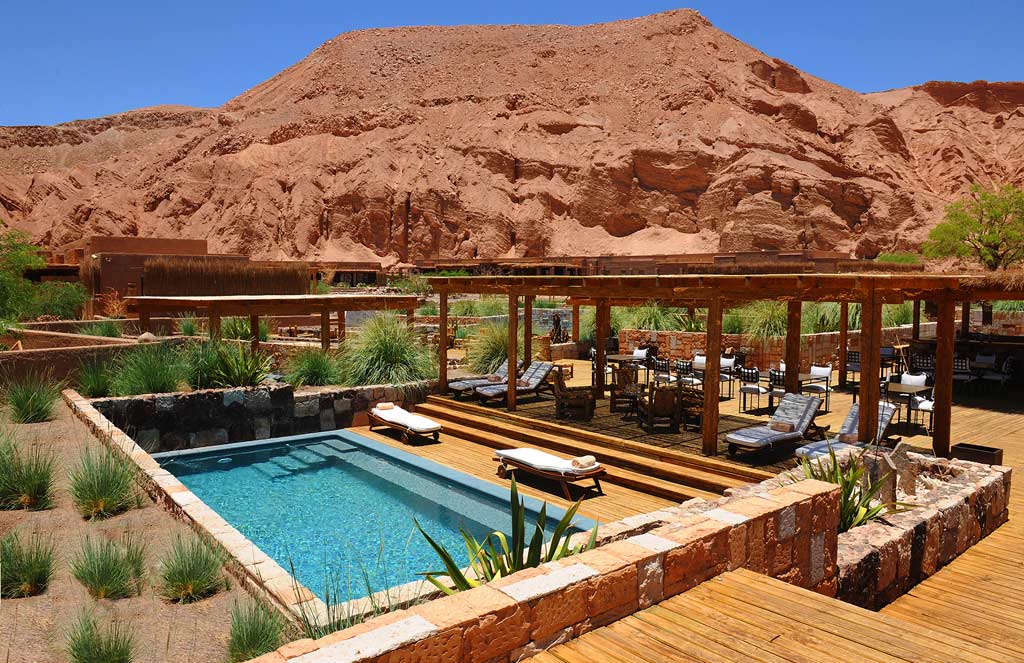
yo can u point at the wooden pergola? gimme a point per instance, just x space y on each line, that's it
254 306
717 292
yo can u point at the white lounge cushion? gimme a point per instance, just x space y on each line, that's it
544 461
820 448
415 422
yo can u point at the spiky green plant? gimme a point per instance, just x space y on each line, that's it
546 303
618 318
427 308
111 569
652 316
496 556
1008 305
765 320
238 329
188 325
732 322
491 306
94 379
313 366
31 399
152 368
691 323
896 315
858 504
463 308
237 366
103 485
255 630
820 317
385 351
488 348
201 362
191 572
416 285
26 477
27 566
87 642
109 328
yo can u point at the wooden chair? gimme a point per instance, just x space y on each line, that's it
660 405
625 386
691 405
580 399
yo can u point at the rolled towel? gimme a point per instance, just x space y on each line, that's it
581 462
495 378
385 406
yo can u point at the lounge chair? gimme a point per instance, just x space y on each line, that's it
533 379
848 431
791 422
402 420
549 466
468 385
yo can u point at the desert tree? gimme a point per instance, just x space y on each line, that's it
988 226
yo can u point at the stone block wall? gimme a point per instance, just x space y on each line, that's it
187 420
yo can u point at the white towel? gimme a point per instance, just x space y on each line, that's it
385 406
581 462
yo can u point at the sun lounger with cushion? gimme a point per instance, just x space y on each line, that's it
402 420
533 379
789 423
847 436
549 466
469 384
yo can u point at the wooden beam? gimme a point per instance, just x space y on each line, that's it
870 369
528 328
442 343
945 344
325 330
341 326
793 310
712 373
602 324
915 323
254 333
844 340
575 323
965 319
513 349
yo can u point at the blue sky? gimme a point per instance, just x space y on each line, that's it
67 60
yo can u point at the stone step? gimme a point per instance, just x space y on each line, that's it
271 470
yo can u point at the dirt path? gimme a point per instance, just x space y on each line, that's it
33 630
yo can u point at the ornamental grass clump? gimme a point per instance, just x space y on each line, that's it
255 630
27 566
103 485
314 367
31 398
87 642
111 569
108 328
26 476
238 329
191 572
148 369
201 364
94 380
488 348
188 325
385 351
237 366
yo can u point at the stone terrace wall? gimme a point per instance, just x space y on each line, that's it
187 420
60 354
1006 323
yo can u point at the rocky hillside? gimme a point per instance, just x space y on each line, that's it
655 135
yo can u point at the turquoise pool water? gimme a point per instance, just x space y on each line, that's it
341 504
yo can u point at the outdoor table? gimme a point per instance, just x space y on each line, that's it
564 367
908 391
624 358
802 379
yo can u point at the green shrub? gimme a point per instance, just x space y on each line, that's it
463 308
491 306
618 319
319 288
653 316
27 566
103 485
88 643
692 323
148 369
495 556
1008 305
820 317
313 366
26 478
110 328
428 308
732 322
895 315
59 299
191 572
765 320
255 630
238 329
415 285
94 380
385 351
899 258
857 499
237 366
489 348
31 399
201 362
111 569
188 325
546 303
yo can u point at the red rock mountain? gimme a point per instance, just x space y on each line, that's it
655 135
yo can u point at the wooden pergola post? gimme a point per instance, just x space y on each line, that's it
527 328
793 310
144 322
602 324
844 339
712 373
945 343
965 319
870 368
325 330
214 323
575 322
341 326
442 343
915 323
410 317
254 332
513 348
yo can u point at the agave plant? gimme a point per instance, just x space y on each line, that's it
496 556
238 367
858 503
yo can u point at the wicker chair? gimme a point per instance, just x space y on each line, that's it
624 387
579 399
660 405
691 406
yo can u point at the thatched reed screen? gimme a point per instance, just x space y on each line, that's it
174 275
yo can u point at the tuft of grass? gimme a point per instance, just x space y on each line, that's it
653 316
31 399
618 319
111 569
313 366
1008 305
188 325
732 322
148 369
109 328
201 361
428 308
26 478
238 329
191 572
94 380
87 642
895 315
546 303
765 320
237 366
385 351
103 485
255 630
899 258
488 348
27 566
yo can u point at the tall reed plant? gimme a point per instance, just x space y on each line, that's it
385 351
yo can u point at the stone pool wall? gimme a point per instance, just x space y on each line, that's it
187 420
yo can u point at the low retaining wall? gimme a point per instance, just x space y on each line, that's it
59 353
187 420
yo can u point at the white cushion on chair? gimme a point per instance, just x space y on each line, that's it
914 380
728 362
640 353
699 362
821 371
414 422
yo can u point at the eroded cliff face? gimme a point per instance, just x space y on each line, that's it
655 135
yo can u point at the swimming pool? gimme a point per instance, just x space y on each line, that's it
341 504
